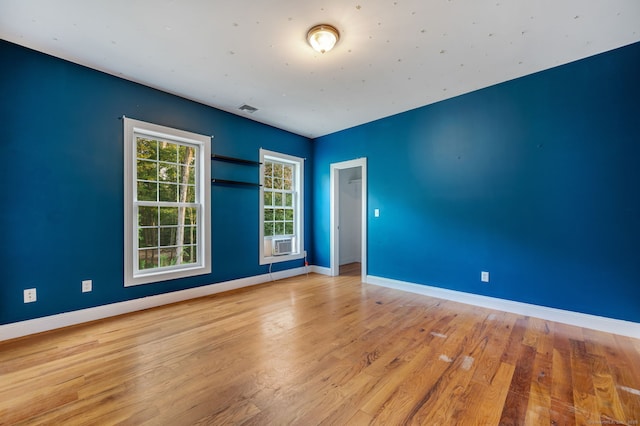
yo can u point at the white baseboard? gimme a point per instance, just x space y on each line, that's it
37 325
594 322
320 270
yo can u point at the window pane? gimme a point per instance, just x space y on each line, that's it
277 199
269 214
279 228
288 228
147 191
190 215
277 183
189 254
187 194
268 198
277 170
147 170
287 178
168 216
268 169
190 235
268 182
147 216
187 155
168 192
288 200
168 257
288 173
147 237
147 148
168 236
147 259
288 214
268 229
187 175
167 172
168 151
279 214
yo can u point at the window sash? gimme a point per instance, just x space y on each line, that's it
280 220
195 249
167 165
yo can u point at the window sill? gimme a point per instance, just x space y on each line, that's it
277 259
156 277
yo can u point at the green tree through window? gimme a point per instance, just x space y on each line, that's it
166 178
279 207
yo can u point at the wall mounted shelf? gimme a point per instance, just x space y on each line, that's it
234 182
234 160
238 161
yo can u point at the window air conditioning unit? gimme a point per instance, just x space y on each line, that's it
281 246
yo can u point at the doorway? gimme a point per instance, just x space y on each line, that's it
349 217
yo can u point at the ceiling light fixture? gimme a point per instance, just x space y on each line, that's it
323 37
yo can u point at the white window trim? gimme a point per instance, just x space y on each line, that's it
203 266
299 200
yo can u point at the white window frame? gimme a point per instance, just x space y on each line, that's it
133 276
298 251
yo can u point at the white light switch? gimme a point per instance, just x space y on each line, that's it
484 276
376 212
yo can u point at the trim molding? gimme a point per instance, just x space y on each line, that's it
51 322
320 270
38 325
334 201
594 322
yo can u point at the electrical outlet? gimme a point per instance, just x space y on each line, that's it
30 295
87 286
484 276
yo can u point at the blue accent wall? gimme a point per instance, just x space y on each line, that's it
61 182
536 180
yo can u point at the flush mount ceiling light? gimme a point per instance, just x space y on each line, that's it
323 37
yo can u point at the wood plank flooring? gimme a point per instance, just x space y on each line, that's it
320 350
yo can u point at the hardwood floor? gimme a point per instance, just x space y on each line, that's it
320 350
351 269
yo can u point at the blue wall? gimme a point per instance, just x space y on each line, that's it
62 184
536 180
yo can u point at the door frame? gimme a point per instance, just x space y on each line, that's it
335 211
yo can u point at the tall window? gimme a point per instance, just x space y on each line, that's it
281 207
166 203
279 194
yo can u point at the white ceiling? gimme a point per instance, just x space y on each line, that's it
393 55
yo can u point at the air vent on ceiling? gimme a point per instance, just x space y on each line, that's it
248 108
